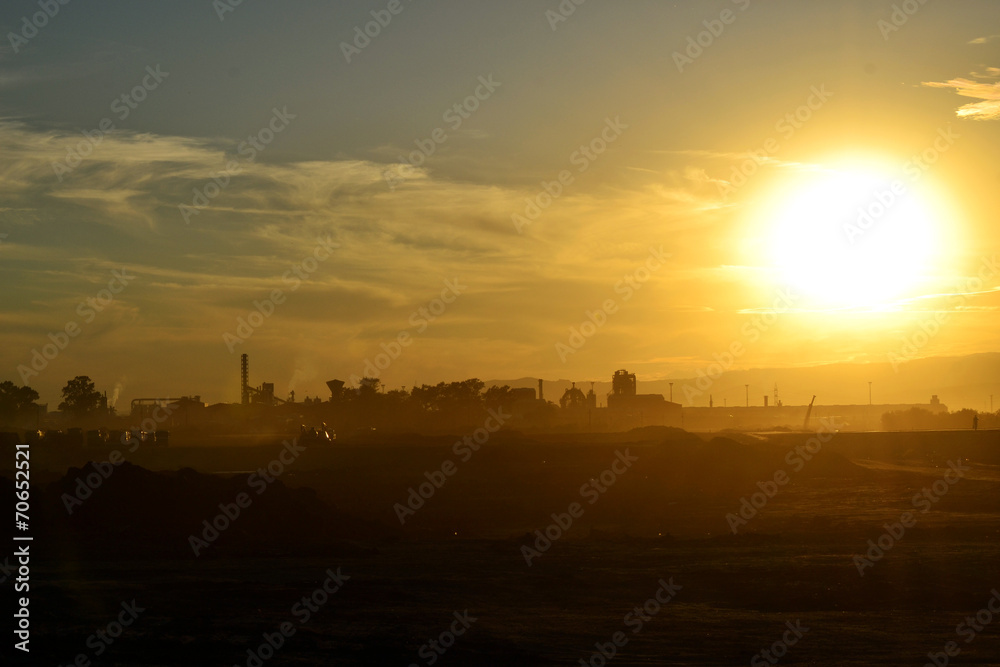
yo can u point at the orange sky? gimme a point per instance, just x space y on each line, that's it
578 205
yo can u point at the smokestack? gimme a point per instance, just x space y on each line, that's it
245 379
541 395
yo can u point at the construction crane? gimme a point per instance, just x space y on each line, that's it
805 424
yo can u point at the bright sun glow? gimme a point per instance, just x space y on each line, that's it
854 238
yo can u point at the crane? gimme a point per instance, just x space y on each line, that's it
805 424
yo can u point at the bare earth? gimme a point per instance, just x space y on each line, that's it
663 519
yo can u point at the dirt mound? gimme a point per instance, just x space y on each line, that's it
128 510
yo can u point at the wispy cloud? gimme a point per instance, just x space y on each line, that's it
122 202
986 89
984 40
731 156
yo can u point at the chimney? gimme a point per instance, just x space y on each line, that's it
541 395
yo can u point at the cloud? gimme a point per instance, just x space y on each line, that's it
984 40
986 89
120 207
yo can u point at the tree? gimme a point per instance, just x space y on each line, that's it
15 400
80 396
499 397
452 396
369 388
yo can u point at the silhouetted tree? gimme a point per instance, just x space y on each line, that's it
496 397
446 397
397 397
920 419
368 387
15 400
963 418
80 396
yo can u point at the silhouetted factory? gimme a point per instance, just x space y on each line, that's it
625 409
359 411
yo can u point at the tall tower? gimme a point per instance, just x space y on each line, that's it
245 379
623 383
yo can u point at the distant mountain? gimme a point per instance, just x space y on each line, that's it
959 382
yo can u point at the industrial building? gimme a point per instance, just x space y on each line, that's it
628 406
260 395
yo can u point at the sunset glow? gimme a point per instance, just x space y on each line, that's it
857 238
500 332
533 169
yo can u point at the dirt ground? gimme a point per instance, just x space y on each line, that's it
800 557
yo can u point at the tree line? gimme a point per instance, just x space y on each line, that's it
19 404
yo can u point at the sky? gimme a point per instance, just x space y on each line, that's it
491 189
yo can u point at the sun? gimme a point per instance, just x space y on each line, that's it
853 237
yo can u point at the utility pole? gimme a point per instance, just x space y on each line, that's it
748 394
